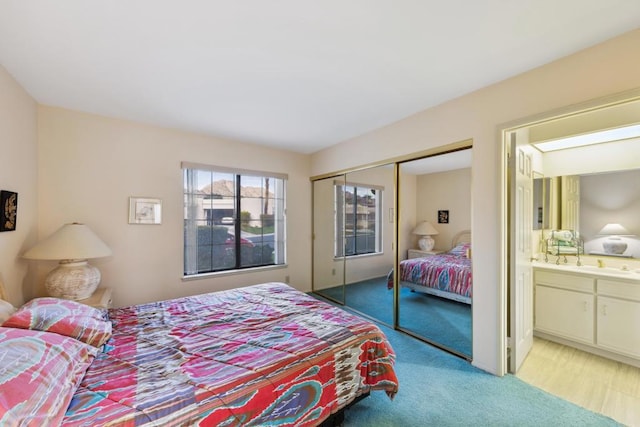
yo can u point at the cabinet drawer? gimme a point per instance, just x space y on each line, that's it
619 289
565 281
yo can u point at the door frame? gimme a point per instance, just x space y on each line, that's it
506 181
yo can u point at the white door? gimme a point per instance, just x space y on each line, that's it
521 228
570 203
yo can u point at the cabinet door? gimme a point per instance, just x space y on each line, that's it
564 313
619 325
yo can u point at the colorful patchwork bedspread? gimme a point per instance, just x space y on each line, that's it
262 355
445 272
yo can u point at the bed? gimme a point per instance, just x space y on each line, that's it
262 355
447 275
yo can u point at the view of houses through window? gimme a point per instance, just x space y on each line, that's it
232 219
358 215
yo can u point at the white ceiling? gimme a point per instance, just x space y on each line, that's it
294 74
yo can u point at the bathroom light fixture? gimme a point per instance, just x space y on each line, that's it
607 135
72 244
425 230
614 245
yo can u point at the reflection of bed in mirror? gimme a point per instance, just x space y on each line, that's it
447 275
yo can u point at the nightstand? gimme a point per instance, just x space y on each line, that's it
417 253
101 298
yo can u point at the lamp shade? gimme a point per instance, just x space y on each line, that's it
71 241
72 244
614 230
425 229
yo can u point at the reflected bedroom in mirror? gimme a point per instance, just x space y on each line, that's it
589 214
354 254
435 261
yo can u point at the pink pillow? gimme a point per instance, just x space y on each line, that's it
40 373
461 250
63 317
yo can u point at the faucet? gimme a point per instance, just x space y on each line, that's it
600 263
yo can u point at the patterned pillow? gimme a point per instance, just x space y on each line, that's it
63 317
41 371
461 249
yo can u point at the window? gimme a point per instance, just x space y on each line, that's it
233 219
358 219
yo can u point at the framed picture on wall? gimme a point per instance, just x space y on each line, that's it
443 217
144 210
8 210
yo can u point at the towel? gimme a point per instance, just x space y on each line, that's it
562 235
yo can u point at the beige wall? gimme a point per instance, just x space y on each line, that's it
90 166
602 70
408 215
445 191
18 173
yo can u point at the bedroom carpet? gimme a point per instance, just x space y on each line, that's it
437 319
439 389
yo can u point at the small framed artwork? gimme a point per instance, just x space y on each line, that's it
443 217
8 210
144 210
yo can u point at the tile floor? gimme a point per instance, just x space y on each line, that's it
593 382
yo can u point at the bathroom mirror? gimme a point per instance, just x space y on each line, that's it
604 198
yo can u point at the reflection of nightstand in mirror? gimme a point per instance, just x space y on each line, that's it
101 298
417 253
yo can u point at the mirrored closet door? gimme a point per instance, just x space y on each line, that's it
328 268
435 268
368 246
355 252
353 240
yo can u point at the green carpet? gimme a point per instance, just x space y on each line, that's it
439 389
439 320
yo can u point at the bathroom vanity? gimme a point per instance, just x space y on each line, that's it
596 309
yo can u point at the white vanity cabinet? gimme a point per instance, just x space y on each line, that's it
590 311
618 317
564 305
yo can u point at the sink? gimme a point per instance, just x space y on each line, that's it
604 270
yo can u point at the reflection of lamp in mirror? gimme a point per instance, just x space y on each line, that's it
73 244
614 244
425 230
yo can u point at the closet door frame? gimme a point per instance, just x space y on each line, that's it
396 161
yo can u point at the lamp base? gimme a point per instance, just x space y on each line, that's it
426 243
614 247
74 280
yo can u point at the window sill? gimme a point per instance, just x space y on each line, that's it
348 257
216 274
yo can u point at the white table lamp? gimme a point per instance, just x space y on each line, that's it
425 230
72 244
614 245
